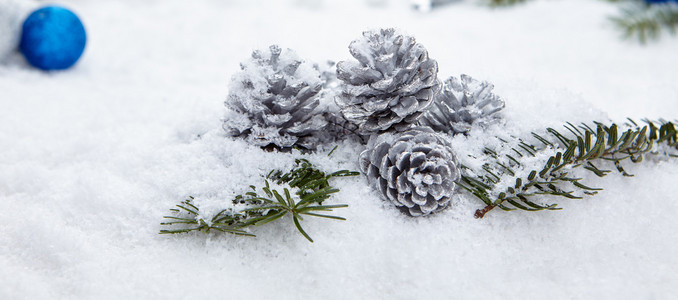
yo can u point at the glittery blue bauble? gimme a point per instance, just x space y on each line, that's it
53 38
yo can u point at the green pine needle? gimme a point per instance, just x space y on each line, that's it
496 3
312 189
647 22
585 148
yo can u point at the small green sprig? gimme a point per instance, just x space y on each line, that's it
311 188
646 21
583 148
504 2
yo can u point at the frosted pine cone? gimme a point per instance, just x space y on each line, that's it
392 83
274 99
416 170
461 104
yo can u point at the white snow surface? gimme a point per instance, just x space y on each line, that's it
12 14
91 159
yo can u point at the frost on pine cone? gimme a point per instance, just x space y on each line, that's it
461 104
416 169
390 85
328 74
338 128
273 101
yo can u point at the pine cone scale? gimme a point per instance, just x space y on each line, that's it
404 200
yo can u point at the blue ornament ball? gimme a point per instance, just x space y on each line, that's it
659 1
52 38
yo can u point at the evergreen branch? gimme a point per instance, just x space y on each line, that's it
646 22
312 188
581 149
496 3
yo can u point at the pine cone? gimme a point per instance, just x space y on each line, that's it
461 104
390 86
416 170
274 99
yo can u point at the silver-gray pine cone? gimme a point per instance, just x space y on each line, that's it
416 170
461 104
273 101
390 85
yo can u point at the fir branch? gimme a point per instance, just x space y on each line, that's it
496 3
497 184
646 22
312 188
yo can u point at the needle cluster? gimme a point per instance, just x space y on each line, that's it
302 193
647 21
584 147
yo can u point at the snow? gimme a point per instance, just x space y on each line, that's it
12 13
93 157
